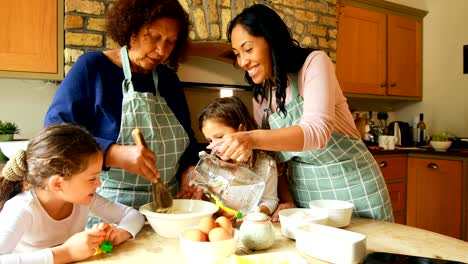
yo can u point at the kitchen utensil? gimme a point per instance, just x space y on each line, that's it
236 186
256 232
226 209
196 252
162 197
339 212
292 218
331 244
185 213
383 116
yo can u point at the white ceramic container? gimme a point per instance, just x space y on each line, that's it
185 213
339 212
256 232
291 218
196 252
331 244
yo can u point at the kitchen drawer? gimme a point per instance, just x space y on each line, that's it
392 167
397 193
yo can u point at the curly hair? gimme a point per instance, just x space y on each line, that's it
287 55
127 17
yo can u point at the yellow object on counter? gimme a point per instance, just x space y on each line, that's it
226 209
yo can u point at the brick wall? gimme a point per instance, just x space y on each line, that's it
313 23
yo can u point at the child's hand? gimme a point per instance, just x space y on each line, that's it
113 234
79 246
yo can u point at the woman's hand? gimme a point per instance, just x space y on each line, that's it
78 247
186 191
281 206
134 159
237 146
113 234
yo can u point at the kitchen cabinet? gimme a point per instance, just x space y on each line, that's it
393 168
32 39
378 52
435 188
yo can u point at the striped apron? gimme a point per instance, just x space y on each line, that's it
163 134
344 170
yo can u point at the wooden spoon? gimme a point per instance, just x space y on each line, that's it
162 197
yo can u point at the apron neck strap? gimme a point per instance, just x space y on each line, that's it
266 110
128 72
127 83
294 87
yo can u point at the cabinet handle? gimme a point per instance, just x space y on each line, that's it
383 85
393 84
383 164
432 165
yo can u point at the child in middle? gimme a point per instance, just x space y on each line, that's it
228 115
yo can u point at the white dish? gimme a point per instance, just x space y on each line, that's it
339 212
196 252
185 213
291 218
331 244
10 148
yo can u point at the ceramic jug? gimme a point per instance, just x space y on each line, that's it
236 186
256 232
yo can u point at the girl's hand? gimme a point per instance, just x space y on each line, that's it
78 247
237 146
113 234
281 206
186 191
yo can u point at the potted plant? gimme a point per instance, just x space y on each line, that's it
8 130
441 141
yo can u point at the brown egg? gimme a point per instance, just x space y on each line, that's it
195 235
206 224
218 234
225 223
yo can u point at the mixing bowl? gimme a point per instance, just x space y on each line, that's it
339 212
185 213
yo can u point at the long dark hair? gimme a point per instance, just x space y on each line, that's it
127 17
287 55
230 111
57 150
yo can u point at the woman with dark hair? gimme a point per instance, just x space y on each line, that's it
112 92
305 119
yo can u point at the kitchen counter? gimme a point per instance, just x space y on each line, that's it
419 152
381 236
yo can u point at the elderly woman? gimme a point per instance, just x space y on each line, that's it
112 92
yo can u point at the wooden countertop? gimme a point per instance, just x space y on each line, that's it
381 236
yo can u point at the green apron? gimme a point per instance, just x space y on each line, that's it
163 134
344 170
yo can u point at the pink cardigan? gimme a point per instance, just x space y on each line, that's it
325 107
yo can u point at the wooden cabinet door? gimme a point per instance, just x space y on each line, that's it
361 51
404 56
29 36
397 192
435 195
394 172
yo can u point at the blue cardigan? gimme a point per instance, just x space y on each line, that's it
91 96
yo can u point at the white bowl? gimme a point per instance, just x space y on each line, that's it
196 252
331 244
291 218
10 148
185 213
440 145
339 212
